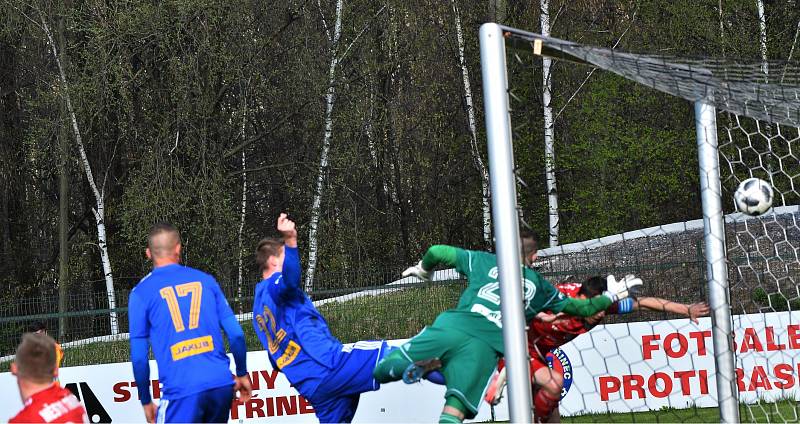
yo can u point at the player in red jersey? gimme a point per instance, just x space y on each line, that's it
548 331
36 369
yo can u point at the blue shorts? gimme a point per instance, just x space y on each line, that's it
209 406
336 399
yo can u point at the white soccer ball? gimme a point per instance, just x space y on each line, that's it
753 197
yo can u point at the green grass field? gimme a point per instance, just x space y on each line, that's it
782 411
377 317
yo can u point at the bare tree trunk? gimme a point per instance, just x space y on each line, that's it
63 206
791 50
473 132
498 10
242 216
389 131
63 229
549 141
99 210
322 170
369 129
762 26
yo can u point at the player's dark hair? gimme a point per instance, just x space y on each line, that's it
155 231
529 242
267 248
594 286
36 358
36 326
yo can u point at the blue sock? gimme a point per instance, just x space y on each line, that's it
435 377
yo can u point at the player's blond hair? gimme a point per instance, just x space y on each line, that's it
36 358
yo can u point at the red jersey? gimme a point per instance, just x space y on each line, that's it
545 336
52 405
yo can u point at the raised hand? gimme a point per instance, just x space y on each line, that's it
288 230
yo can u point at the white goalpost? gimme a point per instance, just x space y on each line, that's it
504 218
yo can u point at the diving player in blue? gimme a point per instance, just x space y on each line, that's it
179 311
328 374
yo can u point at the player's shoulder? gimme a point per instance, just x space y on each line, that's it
27 415
480 257
199 275
187 274
533 275
142 289
147 278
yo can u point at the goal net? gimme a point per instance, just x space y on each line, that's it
742 361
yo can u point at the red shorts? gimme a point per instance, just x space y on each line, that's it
537 362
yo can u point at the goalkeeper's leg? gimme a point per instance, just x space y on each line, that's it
397 366
415 358
391 367
467 371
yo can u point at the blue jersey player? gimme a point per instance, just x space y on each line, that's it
331 376
179 311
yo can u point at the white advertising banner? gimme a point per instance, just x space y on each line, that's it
650 365
617 367
109 393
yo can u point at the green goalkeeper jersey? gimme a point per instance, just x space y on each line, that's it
478 311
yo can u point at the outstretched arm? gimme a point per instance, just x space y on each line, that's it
616 290
586 307
288 287
693 311
438 254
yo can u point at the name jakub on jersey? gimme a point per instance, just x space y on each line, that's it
191 347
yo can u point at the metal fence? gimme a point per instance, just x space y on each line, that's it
354 311
672 266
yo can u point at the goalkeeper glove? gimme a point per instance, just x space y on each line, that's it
418 271
618 290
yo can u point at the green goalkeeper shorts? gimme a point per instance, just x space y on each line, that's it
467 362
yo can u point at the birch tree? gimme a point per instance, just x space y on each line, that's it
762 39
99 210
473 133
322 169
549 151
63 205
370 133
243 210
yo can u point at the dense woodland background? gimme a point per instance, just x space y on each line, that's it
212 115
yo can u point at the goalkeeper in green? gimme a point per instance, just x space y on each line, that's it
466 341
